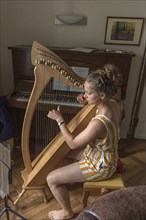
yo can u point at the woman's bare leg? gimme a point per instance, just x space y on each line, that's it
56 181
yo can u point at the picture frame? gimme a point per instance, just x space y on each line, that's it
123 30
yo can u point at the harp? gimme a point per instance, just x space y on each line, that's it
47 63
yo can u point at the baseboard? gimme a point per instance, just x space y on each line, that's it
138 136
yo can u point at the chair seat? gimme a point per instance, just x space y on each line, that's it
104 186
115 181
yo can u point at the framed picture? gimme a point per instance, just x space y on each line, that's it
123 30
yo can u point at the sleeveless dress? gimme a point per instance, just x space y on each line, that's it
100 158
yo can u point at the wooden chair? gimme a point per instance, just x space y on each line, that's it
102 187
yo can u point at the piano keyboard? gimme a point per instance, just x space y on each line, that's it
54 100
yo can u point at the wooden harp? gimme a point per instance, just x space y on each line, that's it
35 172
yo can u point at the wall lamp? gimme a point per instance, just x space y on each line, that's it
70 20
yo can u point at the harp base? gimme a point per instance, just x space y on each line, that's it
42 188
24 175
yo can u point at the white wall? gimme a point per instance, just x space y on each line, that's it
22 22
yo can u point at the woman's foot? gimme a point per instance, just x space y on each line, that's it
60 215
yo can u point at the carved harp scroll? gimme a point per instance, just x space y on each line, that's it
55 67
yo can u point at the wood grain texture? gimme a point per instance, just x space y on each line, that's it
32 206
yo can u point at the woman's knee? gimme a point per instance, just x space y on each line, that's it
51 179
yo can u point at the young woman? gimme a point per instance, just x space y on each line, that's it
96 144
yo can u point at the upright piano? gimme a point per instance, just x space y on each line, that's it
23 72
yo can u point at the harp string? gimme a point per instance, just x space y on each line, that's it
40 135
47 129
46 62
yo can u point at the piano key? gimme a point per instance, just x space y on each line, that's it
65 101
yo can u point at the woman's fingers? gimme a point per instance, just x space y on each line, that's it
58 108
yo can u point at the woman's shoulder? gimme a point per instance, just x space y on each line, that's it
115 111
121 105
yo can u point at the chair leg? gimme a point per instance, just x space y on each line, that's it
85 198
45 196
104 191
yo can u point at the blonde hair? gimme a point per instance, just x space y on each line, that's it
104 79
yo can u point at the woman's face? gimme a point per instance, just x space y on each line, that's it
92 96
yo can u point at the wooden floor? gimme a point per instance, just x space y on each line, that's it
32 206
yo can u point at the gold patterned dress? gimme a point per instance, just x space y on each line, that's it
100 159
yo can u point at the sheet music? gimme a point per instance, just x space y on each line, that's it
83 49
4 180
5 165
5 155
81 71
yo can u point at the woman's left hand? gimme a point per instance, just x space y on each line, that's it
81 99
56 115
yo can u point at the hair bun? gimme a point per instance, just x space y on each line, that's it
111 72
105 79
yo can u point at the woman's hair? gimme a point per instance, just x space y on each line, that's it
104 79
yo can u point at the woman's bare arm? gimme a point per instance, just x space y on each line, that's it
94 130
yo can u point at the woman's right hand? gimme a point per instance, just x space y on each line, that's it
56 115
81 99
